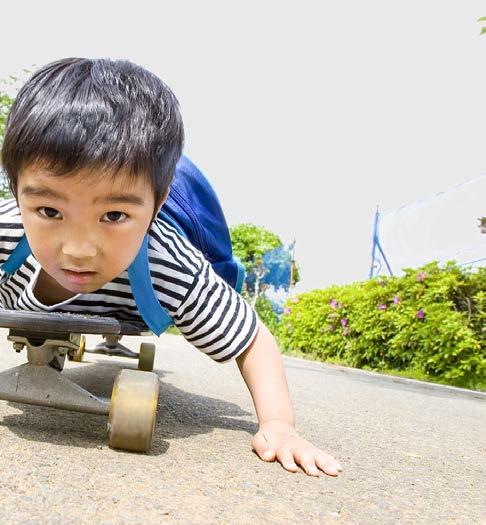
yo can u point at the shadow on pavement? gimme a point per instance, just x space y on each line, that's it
180 414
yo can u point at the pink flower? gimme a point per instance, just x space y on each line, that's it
421 276
396 300
287 310
331 328
333 303
344 322
382 307
420 315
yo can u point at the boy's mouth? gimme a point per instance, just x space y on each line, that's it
77 277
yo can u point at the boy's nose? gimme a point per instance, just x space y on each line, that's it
79 250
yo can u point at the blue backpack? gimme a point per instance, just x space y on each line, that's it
193 208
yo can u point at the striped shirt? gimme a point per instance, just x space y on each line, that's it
210 314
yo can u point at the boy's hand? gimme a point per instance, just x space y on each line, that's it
277 439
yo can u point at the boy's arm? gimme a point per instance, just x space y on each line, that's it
262 369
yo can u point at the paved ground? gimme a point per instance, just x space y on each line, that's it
411 455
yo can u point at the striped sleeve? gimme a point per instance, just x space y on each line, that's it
215 318
11 228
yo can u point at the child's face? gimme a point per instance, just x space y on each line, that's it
90 225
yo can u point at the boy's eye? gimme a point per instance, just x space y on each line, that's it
114 216
49 212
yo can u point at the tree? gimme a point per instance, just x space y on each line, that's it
482 224
5 105
483 29
267 262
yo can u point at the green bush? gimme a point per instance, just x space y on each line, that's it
431 320
267 315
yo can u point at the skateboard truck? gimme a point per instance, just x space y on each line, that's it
112 346
49 338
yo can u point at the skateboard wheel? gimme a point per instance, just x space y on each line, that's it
133 408
146 357
78 356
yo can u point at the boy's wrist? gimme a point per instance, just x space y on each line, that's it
279 422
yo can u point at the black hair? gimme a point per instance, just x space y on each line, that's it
98 114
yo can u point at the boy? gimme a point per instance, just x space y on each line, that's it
90 150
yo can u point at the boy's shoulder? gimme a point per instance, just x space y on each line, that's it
169 247
11 228
9 208
10 218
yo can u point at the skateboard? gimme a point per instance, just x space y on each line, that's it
49 338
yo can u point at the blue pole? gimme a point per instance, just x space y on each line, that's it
375 239
384 257
377 244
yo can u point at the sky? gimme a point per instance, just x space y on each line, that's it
304 115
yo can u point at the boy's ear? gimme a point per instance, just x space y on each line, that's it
163 198
160 203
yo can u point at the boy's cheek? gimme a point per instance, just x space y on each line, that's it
39 241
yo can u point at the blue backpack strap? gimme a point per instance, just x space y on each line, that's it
17 257
154 315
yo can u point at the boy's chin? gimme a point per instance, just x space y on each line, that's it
80 288
76 288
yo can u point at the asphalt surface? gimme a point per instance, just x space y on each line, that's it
410 454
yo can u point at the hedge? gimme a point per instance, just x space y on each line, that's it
431 320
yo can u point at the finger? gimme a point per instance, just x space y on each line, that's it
328 464
286 458
262 447
326 459
307 462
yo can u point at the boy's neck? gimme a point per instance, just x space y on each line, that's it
48 291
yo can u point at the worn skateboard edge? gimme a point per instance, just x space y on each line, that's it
60 322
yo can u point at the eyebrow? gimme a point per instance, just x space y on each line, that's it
127 198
